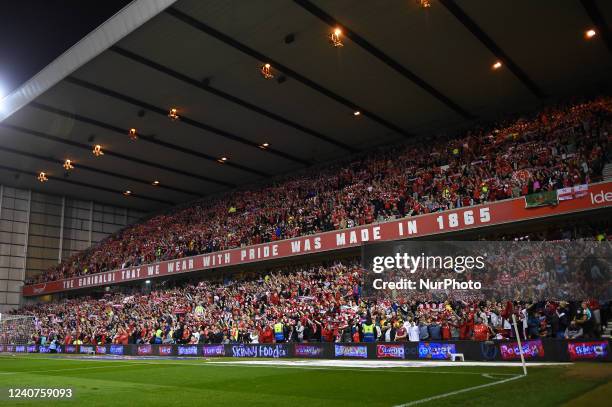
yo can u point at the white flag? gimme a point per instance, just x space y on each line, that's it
564 194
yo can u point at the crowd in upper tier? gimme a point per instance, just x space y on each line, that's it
555 148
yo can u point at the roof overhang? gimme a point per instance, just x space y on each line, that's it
93 44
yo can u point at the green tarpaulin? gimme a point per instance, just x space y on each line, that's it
541 199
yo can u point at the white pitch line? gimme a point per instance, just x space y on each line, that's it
453 393
329 365
377 363
270 364
385 370
306 367
304 362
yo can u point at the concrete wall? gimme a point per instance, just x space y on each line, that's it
38 230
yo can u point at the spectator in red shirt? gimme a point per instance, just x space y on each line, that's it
481 332
327 333
267 335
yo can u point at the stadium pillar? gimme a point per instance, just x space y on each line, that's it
27 232
26 244
61 236
2 294
14 217
91 208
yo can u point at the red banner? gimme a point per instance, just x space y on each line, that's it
495 213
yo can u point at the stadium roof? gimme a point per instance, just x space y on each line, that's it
409 71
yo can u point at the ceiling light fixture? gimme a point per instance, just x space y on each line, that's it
266 71
42 177
356 113
263 146
497 65
155 183
173 114
590 34
127 193
335 38
97 150
133 134
424 3
222 160
68 165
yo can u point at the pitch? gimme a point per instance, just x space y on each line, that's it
170 382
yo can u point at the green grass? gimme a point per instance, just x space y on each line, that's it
198 382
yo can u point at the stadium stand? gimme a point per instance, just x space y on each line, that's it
323 302
555 148
306 202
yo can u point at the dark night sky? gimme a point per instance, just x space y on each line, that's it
34 32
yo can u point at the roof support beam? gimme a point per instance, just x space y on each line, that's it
187 19
83 184
113 154
93 44
475 29
202 126
386 59
119 130
97 171
230 98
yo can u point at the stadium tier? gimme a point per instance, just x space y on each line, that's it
552 150
320 303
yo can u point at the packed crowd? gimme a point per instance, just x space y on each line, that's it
557 148
580 268
322 302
